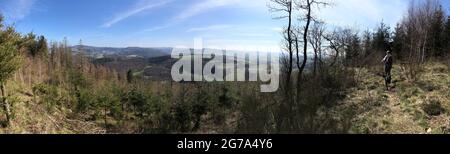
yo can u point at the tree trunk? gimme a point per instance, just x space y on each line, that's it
6 107
320 58
40 70
105 116
315 63
305 48
288 76
29 75
305 39
21 75
424 47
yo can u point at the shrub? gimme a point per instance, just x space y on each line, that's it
86 100
48 94
77 79
115 93
182 117
227 99
433 107
254 114
427 86
138 99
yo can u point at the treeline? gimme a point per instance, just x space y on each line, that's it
67 82
300 105
423 34
57 77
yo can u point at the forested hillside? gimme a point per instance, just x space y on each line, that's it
46 87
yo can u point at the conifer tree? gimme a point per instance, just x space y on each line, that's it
10 61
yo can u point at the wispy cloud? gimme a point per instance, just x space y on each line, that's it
202 7
16 10
277 29
207 5
156 28
142 6
363 13
237 30
209 28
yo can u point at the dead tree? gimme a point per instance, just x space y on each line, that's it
417 24
337 43
316 39
306 8
285 10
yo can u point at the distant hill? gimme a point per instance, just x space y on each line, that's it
100 52
150 63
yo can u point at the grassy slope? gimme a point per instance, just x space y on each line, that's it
34 118
372 109
368 108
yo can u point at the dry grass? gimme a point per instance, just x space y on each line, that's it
375 110
367 108
33 118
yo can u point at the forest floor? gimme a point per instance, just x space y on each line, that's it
409 107
29 117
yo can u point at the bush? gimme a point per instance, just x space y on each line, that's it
48 94
255 115
227 98
159 118
427 86
115 94
433 107
86 100
77 79
138 99
182 117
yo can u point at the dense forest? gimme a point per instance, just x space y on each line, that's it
48 88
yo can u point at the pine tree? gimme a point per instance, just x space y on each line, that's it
81 55
67 53
354 48
381 38
435 45
10 61
130 76
42 47
31 44
447 37
399 39
367 42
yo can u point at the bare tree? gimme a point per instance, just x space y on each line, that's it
336 42
417 25
295 36
81 56
284 8
316 39
306 8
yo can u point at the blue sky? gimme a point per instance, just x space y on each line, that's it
238 24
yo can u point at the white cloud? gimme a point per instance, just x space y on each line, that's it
17 10
242 44
143 5
208 5
193 10
203 6
277 29
209 28
363 13
156 28
236 31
